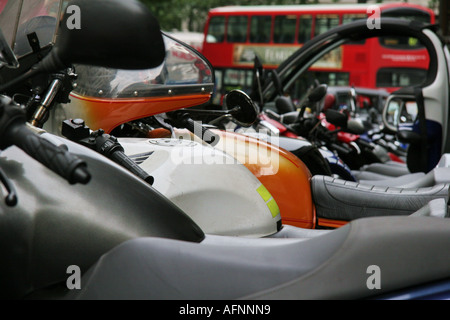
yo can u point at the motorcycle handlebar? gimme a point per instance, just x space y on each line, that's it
340 148
365 143
122 159
57 158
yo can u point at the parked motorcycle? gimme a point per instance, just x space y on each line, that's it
72 210
317 120
432 95
284 185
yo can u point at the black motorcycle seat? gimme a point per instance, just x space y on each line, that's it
346 200
332 266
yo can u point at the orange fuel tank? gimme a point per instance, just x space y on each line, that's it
285 176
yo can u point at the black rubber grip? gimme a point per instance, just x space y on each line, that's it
339 148
56 158
122 159
364 143
203 133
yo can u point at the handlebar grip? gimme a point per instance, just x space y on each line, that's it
56 158
122 159
340 149
364 143
203 133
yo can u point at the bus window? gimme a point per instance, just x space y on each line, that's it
325 23
411 14
304 28
237 79
216 29
284 29
332 78
260 27
400 77
346 18
405 43
237 29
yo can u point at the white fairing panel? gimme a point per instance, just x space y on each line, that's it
216 191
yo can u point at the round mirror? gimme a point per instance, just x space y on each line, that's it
355 127
96 40
318 93
336 118
284 104
242 108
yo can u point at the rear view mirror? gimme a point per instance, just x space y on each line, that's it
399 111
318 93
284 104
120 34
246 111
355 127
336 118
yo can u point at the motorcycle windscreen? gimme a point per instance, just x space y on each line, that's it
19 18
106 98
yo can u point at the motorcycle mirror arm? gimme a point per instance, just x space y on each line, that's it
220 119
211 112
183 119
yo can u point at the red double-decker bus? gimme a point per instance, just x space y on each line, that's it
233 35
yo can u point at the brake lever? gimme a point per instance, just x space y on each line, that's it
11 197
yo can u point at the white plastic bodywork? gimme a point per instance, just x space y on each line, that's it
435 95
216 191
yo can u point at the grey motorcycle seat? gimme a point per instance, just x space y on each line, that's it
392 168
346 200
412 180
372 176
292 232
417 180
332 266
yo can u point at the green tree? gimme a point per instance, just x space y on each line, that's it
173 13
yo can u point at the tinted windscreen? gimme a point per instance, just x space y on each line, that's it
182 68
21 18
